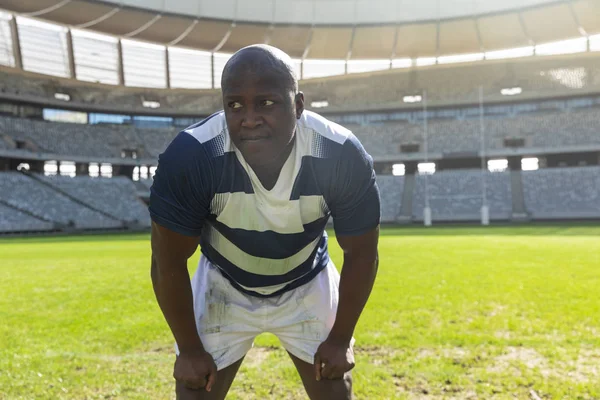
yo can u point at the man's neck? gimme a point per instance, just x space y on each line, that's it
268 173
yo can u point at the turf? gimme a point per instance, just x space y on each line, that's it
503 312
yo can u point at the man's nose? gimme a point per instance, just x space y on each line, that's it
251 118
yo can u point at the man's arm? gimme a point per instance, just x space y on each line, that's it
356 281
334 357
171 282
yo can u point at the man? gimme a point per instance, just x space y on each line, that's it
255 185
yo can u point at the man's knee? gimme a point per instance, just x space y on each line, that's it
183 393
339 389
347 386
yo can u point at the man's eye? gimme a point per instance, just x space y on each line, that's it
235 105
267 103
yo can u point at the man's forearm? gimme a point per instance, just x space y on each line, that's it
174 295
356 282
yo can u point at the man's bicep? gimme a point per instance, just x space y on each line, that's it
168 245
355 206
363 246
360 214
182 187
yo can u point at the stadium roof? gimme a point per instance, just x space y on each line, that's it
329 29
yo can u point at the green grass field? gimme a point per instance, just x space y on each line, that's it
504 312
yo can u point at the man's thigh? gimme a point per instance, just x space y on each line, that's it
219 391
225 317
325 389
302 318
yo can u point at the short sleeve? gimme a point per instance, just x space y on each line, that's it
356 205
180 194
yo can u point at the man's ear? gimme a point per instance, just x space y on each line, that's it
299 100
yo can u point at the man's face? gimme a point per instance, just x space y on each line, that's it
261 112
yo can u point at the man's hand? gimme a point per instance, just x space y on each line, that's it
195 371
333 359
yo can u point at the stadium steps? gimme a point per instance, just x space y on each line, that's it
406 207
142 191
71 197
57 225
519 211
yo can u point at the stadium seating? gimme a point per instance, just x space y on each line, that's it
144 184
555 193
114 196
87 140
457 195
26 193
12 220
155 141
390 188
559 129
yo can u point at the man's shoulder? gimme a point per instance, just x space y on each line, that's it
331 140
325 128
208 129
200 144
204 141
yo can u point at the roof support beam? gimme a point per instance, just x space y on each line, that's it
393 53
580 27
71 56
99 19
143 27
16 43
212 70
225 38
478 33
526 32
306 51
167 69
47 9
184 34
308 43
350 46
120 69
269 34
437 40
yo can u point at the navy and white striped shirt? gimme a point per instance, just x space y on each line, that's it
265 241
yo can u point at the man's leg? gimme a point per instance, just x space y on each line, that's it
225 320
325 389
219 391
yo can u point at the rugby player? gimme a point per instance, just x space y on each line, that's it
255 185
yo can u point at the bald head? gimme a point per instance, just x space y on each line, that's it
261 60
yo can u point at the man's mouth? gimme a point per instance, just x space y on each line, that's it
254 138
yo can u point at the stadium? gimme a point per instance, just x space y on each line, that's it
483 121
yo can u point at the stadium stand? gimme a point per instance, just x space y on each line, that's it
12 220
556 193
119 98
155 141
550 129
390 188
455 84
23 192
542 129
444 84
457 195
144 184
113 196
558 111
87 140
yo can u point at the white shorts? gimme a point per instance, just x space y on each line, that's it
228 320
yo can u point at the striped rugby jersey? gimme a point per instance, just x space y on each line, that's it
265 241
